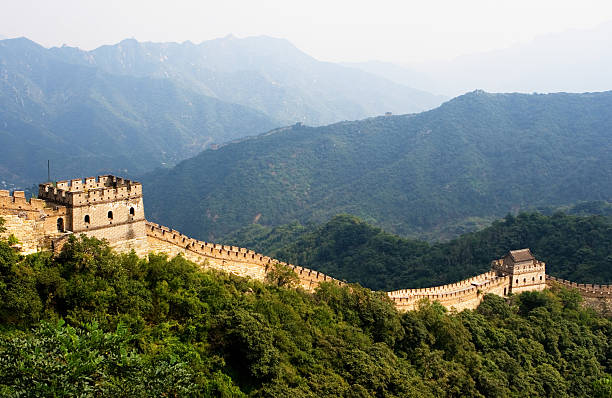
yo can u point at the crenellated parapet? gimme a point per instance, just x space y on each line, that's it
110 207
230 258
90 191
516 272
451 287
466 294
518 269
586 289
33 208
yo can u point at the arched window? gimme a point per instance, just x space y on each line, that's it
60 224
540 277
517 281
87 219
132 212
524 280
110 215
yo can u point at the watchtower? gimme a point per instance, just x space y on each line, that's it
526 273
105 207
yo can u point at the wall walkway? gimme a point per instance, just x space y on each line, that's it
233 259
466 294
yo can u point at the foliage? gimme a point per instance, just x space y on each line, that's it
573 247
435 174
282 276
111 122
12 240
90 322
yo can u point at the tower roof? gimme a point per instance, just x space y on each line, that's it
521 255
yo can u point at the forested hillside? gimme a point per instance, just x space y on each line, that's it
578 248
87 121
434 174
92 323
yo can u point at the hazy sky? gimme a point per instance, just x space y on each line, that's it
332 30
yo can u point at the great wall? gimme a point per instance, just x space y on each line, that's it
111 208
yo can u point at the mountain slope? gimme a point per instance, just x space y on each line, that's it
87 121
574 247
263 73
478 155
89 321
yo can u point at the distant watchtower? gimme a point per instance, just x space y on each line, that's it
105 207
526 273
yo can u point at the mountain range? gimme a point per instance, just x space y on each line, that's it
131 107
438 173
264 73
573 247
87 121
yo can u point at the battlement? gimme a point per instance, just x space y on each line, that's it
445 289
466 294
17 203
518 268
226 254
91 190
111 208
443 295
588 289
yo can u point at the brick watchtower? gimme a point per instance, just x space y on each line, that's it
105 207
526 273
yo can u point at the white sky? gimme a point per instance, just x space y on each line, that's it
403 32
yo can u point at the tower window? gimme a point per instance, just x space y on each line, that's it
87 219
60 224
132 212
517 281
110 215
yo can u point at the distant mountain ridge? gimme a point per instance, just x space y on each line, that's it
87 121
479 155
131 107
263 73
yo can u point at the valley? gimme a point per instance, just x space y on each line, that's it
338 199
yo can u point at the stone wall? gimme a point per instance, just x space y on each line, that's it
105 207
466 294
526 275
32 222
233 259
585 289
93 191
598 297
111 208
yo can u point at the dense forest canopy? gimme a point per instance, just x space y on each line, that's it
578 248
435 174
131 107
90 322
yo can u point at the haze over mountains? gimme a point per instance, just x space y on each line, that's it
86 120
571 61
478 155
264 73
131 107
